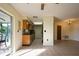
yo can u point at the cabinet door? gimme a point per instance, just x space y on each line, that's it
26 39
25 24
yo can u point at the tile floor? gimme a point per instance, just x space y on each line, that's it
61 48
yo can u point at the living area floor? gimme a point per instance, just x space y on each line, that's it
61 48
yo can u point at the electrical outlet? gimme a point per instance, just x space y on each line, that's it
47 39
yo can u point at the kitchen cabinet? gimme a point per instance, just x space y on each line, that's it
26 39
25 24
27 33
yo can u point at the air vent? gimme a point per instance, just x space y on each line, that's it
42 6
57 3
35 16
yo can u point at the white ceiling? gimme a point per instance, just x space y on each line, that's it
61 11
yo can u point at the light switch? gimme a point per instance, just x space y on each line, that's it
44 30
47 39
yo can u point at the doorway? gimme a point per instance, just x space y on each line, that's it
5 33
58 32
38 34
38 31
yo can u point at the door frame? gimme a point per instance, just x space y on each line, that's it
12 30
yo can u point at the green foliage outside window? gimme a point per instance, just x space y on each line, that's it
2 29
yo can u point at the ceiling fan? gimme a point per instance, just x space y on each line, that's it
42 6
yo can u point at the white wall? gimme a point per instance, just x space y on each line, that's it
56 22
75 31
16 36
48 25
71 30
66 29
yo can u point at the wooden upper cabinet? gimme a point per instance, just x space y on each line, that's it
25 24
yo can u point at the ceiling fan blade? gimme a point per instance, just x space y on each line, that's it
42 6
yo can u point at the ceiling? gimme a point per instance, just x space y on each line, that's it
62 11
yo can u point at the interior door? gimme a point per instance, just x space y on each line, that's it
59 32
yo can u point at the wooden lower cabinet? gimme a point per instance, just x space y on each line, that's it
26 40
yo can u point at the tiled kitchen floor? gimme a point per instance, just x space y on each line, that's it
61 48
